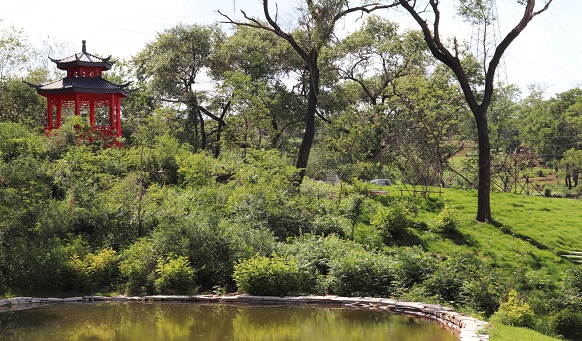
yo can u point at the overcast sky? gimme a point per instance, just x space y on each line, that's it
548 52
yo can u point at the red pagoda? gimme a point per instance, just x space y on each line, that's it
83 92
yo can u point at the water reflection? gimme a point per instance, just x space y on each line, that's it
191 321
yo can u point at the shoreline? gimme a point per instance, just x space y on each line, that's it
467 328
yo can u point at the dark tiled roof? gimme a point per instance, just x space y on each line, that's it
81 84
84 59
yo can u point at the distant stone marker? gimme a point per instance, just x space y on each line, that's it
332 179
381 182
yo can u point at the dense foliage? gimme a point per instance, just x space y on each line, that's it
202 196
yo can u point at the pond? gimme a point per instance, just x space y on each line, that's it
193 321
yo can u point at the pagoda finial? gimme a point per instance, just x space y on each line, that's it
84 49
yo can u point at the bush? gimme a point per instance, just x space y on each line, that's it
137 267
446 221
571 286
362 273
393 221
316 253
515 312
327 225
568 323
198 170
90 272
466 282
174 275
413 265
271 276
572 281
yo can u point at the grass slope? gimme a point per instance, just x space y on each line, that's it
506 333
529 232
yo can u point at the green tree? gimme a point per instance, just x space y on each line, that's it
503 117
361 102
16 55
314 31
255 65
550 126
478 102
377 54
20 103
434 108
173 67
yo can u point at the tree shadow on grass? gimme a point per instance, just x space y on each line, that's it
459 238
407 237
507 230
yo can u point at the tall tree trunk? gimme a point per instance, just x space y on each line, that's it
484 190
218 138
191 124
202 131
309 117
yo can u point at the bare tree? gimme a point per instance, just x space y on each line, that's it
452 60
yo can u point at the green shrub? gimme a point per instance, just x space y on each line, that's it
568 323
466 282
515 312
327 225
446 282
446 221
368 236
393 221
361 273
174 275
137 267
571 286
413 265
537 280
316 253
92 271
198 170
572 281
271 276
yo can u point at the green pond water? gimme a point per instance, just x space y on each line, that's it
192 321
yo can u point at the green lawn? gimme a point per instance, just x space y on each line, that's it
529 232
506 333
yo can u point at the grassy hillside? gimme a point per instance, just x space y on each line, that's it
529 232
526 241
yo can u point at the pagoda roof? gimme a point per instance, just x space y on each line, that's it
81 84
83 58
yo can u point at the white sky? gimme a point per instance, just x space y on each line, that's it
548 52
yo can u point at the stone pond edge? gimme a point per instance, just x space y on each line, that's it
468 328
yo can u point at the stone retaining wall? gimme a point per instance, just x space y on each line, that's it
469 328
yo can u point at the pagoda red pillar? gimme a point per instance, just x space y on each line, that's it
111 113
49 113
77 105
118 116
59 112
92 113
